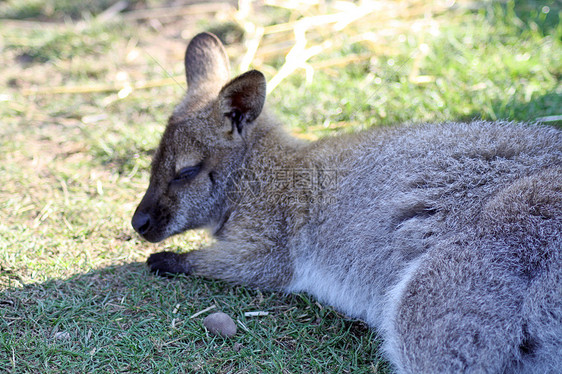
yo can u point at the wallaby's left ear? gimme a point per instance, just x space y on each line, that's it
206 63
242 99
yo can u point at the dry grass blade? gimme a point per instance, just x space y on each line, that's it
124 88
178 11
112 11
300 54
202 311
371 22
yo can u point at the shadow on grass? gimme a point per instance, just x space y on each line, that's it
540 107
543 15
536 110
121 318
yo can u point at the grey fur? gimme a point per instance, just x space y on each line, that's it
446 238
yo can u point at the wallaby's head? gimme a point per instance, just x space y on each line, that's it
206 139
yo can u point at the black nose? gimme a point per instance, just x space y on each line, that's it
141 222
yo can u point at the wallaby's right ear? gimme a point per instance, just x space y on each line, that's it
206 63
242 100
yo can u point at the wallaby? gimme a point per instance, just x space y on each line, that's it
445 238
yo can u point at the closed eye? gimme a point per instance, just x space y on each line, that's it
187 174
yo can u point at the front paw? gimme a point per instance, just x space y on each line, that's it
168 263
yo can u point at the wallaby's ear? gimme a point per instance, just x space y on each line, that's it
206 62
243 98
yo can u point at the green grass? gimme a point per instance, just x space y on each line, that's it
488 64
75 295
119 319
58 9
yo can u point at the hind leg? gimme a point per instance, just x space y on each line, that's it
527 217
492 302
542 350
456 314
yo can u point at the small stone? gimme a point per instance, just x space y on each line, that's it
62 335
220 323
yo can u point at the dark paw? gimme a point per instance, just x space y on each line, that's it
168 263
